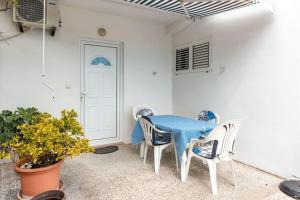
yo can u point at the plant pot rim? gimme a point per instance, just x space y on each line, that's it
37 170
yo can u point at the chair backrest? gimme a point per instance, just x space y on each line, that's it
141 110
147 128
207 115
225 134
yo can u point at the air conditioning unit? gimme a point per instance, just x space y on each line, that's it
30 13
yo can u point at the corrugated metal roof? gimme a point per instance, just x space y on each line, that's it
194 8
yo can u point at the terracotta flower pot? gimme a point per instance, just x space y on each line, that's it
39 180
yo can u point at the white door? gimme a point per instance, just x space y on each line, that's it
100 91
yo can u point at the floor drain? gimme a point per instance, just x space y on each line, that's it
291 188
106 150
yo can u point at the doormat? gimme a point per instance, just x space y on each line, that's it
106 150
291 188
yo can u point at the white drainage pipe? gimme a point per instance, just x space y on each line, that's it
44 82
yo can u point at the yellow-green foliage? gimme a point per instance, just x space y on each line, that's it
15 2
50 140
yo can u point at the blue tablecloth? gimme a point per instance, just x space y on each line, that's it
183 129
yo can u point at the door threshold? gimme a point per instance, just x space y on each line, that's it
111 144
103 142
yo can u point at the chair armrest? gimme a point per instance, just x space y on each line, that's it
199 141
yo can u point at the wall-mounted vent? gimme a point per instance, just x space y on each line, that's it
201 56
194 57
182 59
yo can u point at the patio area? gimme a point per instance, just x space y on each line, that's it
121 175
201 97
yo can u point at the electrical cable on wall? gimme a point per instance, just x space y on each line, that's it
43 63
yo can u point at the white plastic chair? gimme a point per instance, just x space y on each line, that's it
148 130
203 115
135 111
138 108
225 135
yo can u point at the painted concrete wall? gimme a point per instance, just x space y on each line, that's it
146 49
261 84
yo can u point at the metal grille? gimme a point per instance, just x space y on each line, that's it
166 5
182 59
31 10
201 56
195 9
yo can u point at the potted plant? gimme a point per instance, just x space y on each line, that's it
41 146
9 122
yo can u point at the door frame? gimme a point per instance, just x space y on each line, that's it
120 90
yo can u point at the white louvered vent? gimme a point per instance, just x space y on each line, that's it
182 59
201 56
194 57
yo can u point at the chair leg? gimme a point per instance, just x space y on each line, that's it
157 157
188 163
160 155
233 173
183 167
145 153
142 149
213 176
176 158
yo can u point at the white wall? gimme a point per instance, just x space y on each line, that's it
146 49
261 84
